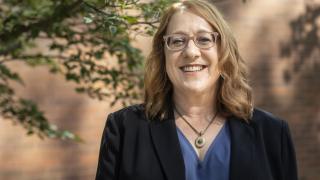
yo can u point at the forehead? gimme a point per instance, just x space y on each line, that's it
187 22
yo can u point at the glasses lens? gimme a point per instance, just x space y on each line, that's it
176 41
205 40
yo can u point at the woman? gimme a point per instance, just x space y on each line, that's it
197 120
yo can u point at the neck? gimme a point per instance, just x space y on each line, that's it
195 105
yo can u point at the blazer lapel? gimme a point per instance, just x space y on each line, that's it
166 143
242 150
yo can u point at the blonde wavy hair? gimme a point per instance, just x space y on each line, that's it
234 95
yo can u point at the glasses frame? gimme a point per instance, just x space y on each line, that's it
214 33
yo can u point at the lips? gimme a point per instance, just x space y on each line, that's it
193 68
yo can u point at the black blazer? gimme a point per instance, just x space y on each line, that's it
133 148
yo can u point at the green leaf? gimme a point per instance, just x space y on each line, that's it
98 54
30 132
130 19
5 73
68 135
87 20
103 30
113 30
73 77
80 89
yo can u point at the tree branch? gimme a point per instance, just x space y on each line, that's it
59 14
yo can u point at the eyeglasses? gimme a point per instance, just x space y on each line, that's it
203 40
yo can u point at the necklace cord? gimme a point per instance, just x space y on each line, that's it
193 128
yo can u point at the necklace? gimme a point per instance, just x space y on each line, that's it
200 140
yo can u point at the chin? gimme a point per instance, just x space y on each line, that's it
196 88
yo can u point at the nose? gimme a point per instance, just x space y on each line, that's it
191 51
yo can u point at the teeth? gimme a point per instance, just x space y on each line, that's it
192 68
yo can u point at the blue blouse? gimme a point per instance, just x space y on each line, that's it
215 165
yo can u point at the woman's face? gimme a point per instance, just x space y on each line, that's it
191 69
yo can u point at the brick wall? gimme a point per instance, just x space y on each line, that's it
284 76
280 41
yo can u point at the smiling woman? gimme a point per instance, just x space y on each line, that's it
197 121
193 19
192 69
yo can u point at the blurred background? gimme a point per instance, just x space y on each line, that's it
278 38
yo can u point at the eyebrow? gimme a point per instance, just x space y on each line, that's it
184 32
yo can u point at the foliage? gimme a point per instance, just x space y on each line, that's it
304 43
89 42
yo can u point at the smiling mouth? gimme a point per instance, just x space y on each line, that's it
193 68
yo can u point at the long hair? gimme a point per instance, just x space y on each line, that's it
234 95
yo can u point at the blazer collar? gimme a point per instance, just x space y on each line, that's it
166 142
167 145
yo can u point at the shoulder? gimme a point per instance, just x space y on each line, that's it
267 122
273 139
135 110
128 115
261 116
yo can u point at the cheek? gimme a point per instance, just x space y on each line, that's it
212 57
168 64
169 68
169 56
171 60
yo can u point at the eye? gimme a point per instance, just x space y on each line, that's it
176 41
204 39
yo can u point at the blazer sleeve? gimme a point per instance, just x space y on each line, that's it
108 162
288 155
